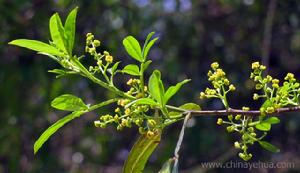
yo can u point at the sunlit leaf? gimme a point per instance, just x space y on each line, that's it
146 64
133 48
70 28
140 153
37 46
53 128
187 106
148 47
148 44
173 90
68 102
57 32
263 126
131 69
142 101
272 120
114 68
156 87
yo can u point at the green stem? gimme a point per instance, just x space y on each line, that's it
224 98
142 78
96 106
109 87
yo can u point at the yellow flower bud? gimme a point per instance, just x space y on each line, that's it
214 65
255 96
245 108
150 134
219 121
109 58
202 95
96 43
255 65
127 111
117 110
129 82
237 145
231 87
238 117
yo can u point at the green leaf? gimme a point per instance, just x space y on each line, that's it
53 128
114 67
148 47
131 69
37 46
149 36
173 90
146 64
265 105
140 153
142 101
272 120
186 106
68 102
58 71
57 33
70 27
156 87
80 66
61 73
190 106
133 48
266 145
263 126
167 166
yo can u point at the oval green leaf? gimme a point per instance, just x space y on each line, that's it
272 120
133 48
57 32
142 101
131 69
173 90
68 102
263 126
156 87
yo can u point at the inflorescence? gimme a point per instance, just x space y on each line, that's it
250 129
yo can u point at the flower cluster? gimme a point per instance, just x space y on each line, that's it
244 126
135 88
252 130
103 60
221 85
127 116
276 95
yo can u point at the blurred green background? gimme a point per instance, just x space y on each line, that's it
193 33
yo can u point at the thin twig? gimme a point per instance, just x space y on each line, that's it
236 111
180 139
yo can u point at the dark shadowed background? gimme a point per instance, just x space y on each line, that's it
193 33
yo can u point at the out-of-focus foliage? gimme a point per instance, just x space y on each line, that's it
192 35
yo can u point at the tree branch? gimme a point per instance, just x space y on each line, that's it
239 111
